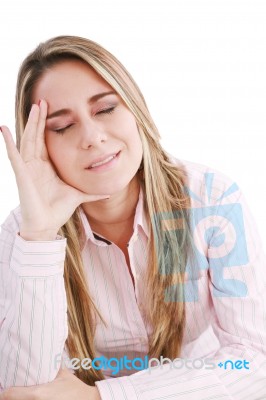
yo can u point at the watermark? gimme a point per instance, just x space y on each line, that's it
138 364
238 364
217 227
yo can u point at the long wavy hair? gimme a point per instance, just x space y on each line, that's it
163 185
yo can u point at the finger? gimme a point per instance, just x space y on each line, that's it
12 151
81 197
94 197
40 149
28 140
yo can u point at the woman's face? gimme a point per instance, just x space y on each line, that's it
87 124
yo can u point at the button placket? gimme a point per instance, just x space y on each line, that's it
133 269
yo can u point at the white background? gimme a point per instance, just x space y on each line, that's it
200 65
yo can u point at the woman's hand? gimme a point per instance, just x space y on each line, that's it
46 201
66 386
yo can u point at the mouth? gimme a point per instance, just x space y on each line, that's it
105 164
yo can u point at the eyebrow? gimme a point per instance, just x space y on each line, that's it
65 111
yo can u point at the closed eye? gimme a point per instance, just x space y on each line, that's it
62 130
106 111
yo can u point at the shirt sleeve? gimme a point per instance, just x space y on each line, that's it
33 319
237 283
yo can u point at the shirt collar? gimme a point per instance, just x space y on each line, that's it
140 215
139 220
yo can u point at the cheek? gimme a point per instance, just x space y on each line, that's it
58 153
52 148
136 145
131 134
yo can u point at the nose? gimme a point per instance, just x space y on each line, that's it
91 135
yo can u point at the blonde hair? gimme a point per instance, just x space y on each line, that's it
163 185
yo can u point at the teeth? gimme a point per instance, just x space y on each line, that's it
103 162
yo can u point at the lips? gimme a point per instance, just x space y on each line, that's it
102 160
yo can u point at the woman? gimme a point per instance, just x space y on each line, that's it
120 249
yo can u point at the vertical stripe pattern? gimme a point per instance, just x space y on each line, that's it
225 302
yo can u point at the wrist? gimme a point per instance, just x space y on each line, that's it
37 236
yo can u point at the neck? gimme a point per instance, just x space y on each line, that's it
115 212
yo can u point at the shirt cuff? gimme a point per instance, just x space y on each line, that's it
38 258
117 388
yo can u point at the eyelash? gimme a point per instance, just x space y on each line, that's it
105 111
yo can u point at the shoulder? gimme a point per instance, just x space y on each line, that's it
206 184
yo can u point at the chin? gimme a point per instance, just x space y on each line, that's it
114 186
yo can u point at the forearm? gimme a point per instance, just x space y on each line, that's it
34 328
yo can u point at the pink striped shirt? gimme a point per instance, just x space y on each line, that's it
225 303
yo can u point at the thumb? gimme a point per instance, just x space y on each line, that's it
95 197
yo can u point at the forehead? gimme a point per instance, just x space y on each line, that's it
68 77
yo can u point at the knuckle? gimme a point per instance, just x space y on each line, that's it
10 155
